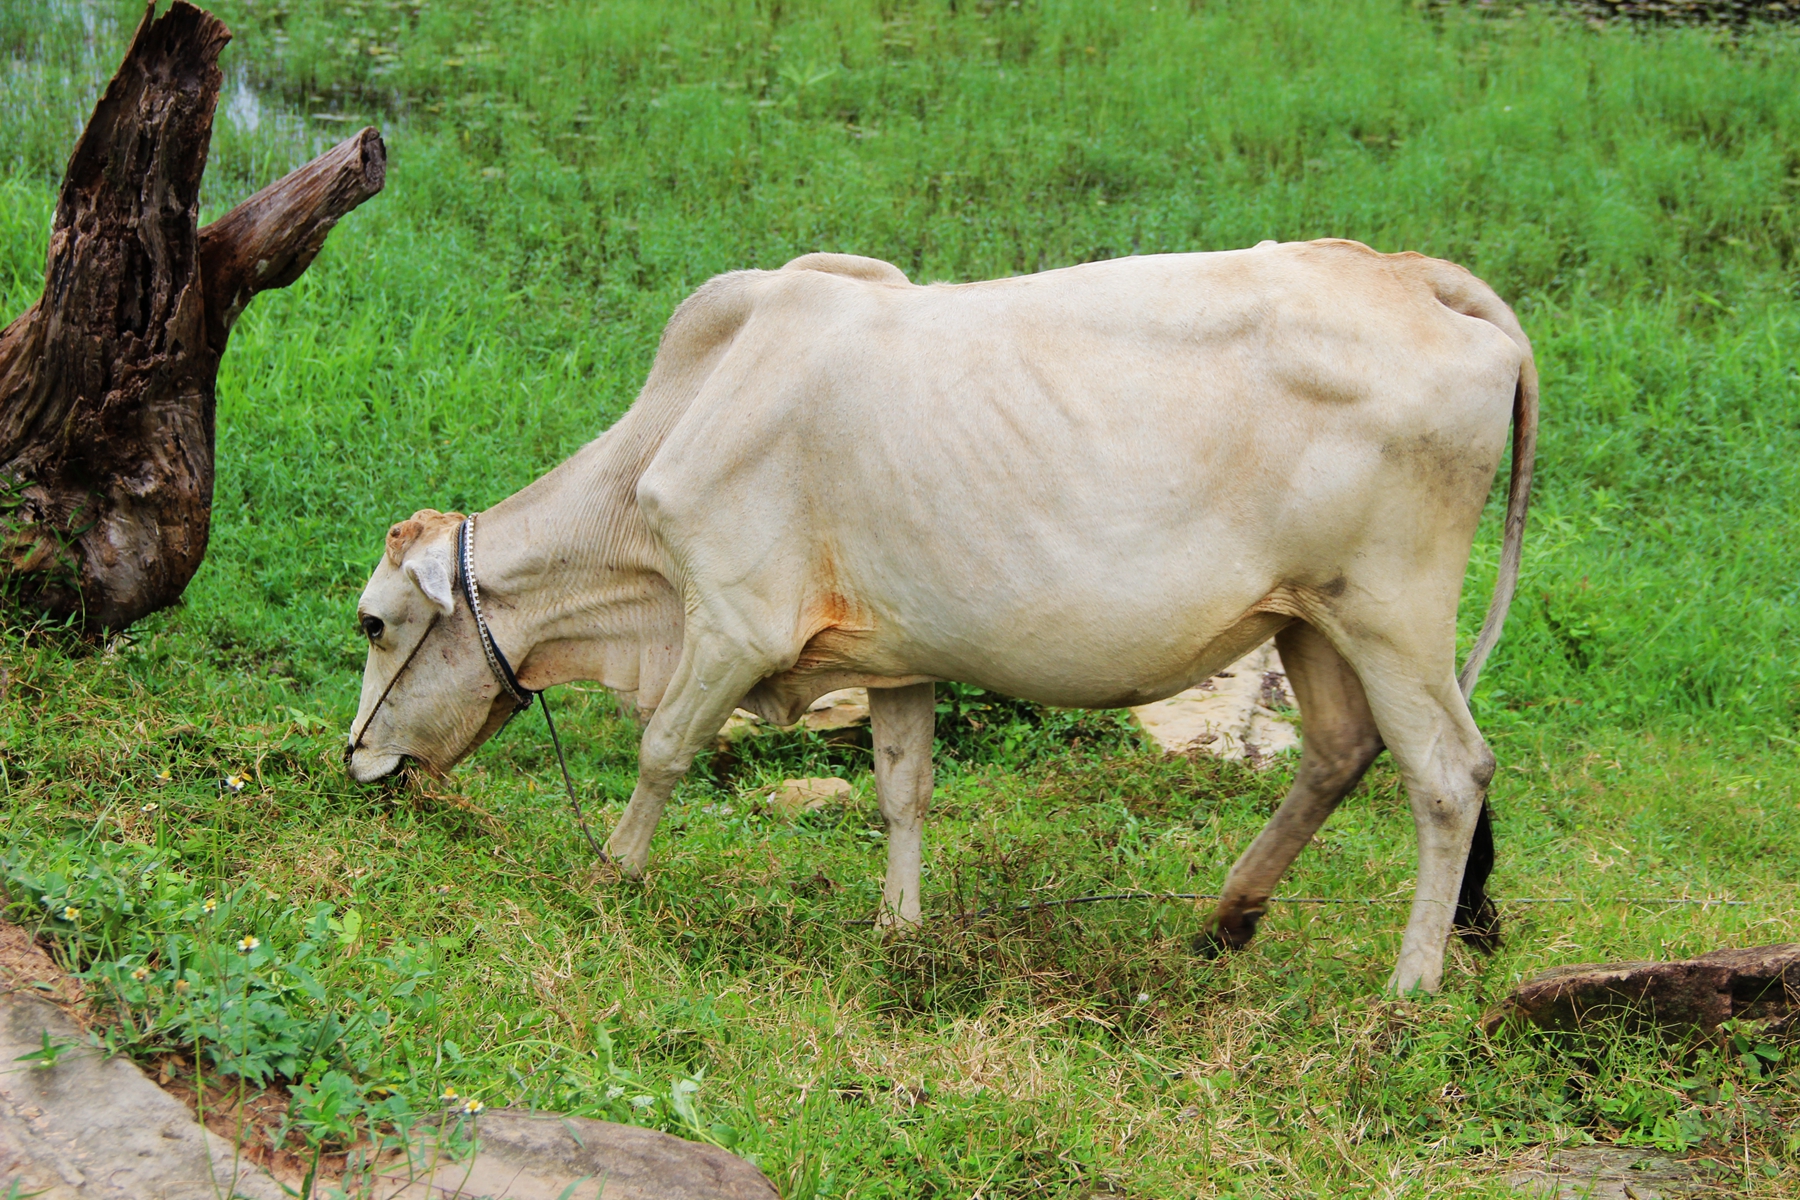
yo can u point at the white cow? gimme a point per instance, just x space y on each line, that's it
1090 487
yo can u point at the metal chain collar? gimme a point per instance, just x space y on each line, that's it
503 671
465 547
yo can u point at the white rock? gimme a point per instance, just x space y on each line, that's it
841 709
1228 716
796 796
845 708
740 725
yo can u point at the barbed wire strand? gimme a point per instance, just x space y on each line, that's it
1364 899
1067 901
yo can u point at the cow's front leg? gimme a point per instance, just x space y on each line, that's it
902 721
707 684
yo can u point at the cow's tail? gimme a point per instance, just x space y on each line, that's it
1518 504
1477 921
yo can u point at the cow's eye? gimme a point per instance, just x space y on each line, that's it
372 626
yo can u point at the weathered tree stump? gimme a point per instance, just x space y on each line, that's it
106 383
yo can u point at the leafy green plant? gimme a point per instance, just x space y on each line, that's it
629 1099
162 952
165 953
974 725
46 1056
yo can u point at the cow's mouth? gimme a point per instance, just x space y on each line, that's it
366 766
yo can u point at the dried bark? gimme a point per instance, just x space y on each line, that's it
1759 983
107 383
1693 12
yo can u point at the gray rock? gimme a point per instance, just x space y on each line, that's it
93 1128
526 1155
1758 983
1615 1173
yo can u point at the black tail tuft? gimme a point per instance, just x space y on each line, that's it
1477 921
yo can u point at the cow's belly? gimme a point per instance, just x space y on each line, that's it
1069 674
1072 671
1091 638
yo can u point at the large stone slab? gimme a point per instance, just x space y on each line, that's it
1230 716
525 1155
89 1127
1758 983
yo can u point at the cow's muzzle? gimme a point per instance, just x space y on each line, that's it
366 766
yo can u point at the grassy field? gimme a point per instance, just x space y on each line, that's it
561 175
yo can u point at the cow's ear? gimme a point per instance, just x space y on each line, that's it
402 534
429 569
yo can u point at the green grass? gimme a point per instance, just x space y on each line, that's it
560 176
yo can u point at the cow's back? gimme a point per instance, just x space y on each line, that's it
1090 475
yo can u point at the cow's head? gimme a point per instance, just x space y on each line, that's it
428 693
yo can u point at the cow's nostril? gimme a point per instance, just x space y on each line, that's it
373 627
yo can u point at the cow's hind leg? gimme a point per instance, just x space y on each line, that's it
902 721
1338 742
707 684
1446 767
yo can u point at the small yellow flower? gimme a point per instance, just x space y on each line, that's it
141 974
248 943
181 987
472 1106
209 907
164 775
71 913
449 1095
235 783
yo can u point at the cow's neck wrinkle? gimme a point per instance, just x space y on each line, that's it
572 583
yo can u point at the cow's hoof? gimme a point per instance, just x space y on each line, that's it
1220 936
1208 944
615 868
603 872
